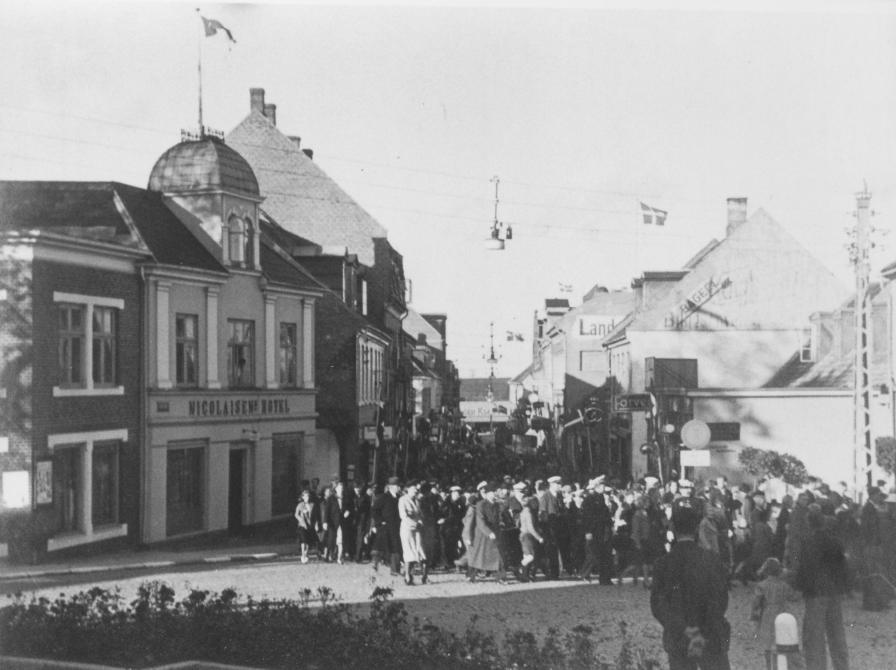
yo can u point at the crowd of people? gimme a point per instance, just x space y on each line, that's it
819 543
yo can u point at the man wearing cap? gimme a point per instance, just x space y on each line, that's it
689 597
549 518
385 524
597 527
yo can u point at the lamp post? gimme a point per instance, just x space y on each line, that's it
495 242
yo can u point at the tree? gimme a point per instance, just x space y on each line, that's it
770 463
886 454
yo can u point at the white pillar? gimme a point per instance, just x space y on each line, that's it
211 337
307 343
87 489
163 336
270 342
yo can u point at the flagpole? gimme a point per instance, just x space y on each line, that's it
201 131
638 244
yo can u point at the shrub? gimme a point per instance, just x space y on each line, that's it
98 626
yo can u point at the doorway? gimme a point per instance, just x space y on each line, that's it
236 491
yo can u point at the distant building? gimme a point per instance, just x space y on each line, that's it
731 319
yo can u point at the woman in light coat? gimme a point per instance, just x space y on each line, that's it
484 555
410 531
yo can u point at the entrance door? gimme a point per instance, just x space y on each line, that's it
235 496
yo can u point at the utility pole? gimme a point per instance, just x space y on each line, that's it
861 255
492 362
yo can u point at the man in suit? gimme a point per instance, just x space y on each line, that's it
360 503
385 524
689 597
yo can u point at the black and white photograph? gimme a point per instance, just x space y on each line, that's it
461 335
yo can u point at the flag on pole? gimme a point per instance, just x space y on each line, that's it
565 288
212 26
652 215
512 336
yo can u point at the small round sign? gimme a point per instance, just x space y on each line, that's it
695 434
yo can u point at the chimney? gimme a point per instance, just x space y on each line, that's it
270 111
256 100
295 139
309 153
737 214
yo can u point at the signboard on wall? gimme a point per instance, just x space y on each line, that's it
634 402
43 482
695 459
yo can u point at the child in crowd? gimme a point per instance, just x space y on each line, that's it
770 599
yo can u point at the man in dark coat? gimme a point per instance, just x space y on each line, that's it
822 577
338 521
875 594
385 524
549 518
430 515
597 527
453 510
361 509
689 597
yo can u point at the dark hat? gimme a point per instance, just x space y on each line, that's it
393 481
489 487
411 482
687 514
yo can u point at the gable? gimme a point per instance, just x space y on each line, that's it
299 194
758 278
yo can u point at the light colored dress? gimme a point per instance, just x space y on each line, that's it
410 530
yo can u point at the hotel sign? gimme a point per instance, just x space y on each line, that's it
240 407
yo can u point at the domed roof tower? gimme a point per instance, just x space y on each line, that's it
206 164
213 189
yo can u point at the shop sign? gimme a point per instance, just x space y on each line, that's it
244 407
695 459
702 295
635 402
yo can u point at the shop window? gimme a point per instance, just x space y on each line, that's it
185 490
285 474
288 354
241 354
105 483
187 349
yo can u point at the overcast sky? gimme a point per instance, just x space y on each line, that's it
582 113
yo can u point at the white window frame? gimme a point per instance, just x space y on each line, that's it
84 442
89 302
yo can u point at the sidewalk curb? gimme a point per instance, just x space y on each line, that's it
144 565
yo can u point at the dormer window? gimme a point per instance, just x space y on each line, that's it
807 345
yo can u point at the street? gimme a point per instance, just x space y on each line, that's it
452 603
